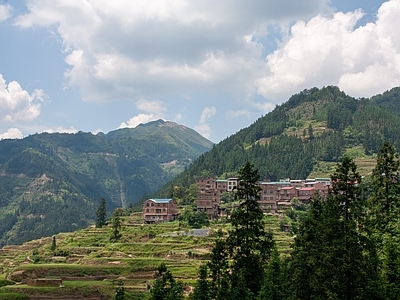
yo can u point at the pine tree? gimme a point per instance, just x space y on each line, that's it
249 244
165 287
119 291
218 266
53 244
202 288
385 202
333 257
101 214
383 217
116 227
273 287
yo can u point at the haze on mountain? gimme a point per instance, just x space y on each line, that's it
53 182
45 176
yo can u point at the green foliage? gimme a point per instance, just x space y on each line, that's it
332 256
119 291
194 218
48 175
385 202
165 287
13 296
116 228
53 244
201 289
101 214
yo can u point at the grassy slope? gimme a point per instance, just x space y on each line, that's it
94 264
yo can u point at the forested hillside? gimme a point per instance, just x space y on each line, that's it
53 182
313 126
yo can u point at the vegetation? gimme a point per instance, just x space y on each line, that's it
45 176
101 214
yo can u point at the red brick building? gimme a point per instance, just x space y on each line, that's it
159 210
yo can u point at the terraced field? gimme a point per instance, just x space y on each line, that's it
86 265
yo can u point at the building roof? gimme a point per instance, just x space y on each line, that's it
306 189
161 200
287 188
276 183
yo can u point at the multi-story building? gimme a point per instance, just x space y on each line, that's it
270 194
159 210
209 194
273 195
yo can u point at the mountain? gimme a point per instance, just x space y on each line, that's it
309 131
53 182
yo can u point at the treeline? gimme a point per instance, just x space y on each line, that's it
279 153
346 247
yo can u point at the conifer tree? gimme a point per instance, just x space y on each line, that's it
116 227
332 256
165 287
218 266
384 209
249 245
201 290
386 188
101 214
53 243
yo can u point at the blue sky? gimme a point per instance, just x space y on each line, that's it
90 65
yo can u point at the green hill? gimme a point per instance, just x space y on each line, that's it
51 183
90 265
305 136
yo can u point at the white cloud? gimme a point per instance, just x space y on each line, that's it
237 113
133 49
5 12
203 126
154 110
61 129
362 61
12 133
17 106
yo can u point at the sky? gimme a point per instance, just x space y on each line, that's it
214 66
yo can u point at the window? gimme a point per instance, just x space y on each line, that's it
147 210
147 204
208 203
271 191
163 205
271 198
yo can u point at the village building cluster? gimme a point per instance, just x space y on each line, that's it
213 193
274 196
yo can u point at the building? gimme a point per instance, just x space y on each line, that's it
159 210
270 194
274 196
209 194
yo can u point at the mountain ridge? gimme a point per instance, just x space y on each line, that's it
45 176
315 126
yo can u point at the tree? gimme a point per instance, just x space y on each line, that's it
53 244
384 209
218 266
101 214
273 287
165 287
249 245
333 257
119 291
386 188
201 290
116 227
